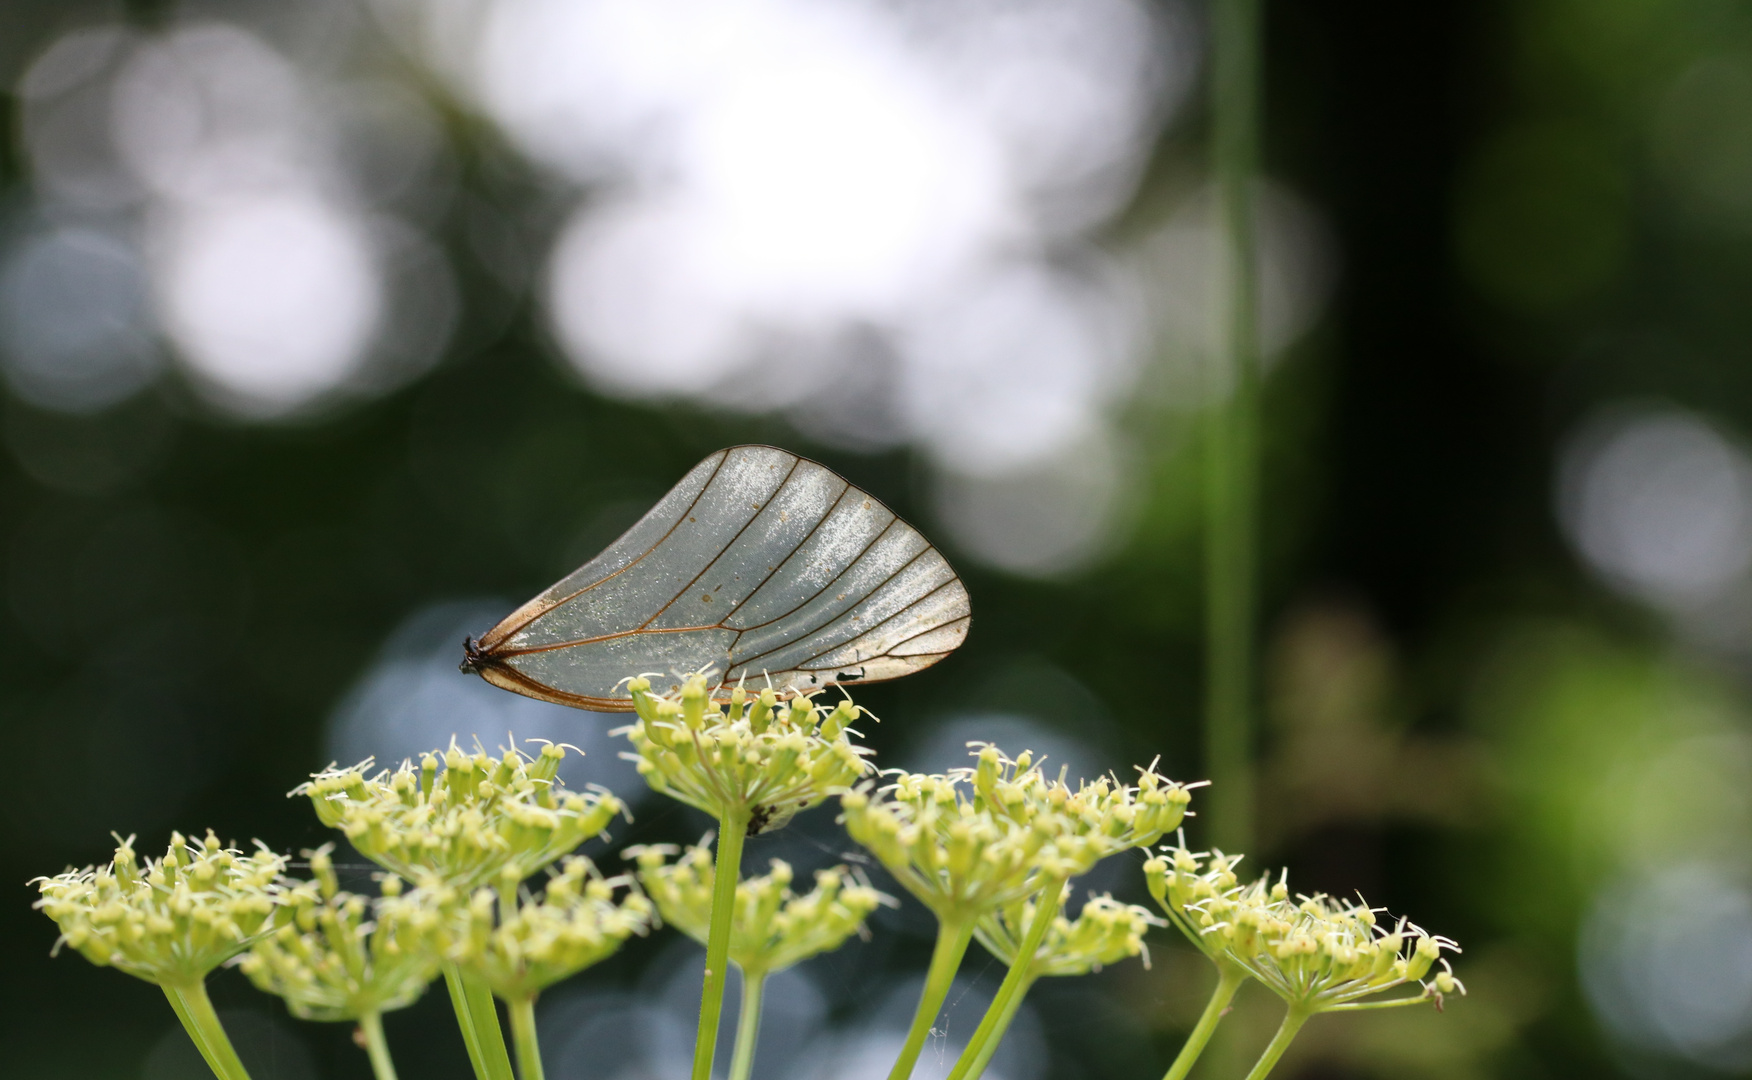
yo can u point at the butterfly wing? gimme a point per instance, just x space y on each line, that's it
760 565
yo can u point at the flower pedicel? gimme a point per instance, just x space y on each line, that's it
773 928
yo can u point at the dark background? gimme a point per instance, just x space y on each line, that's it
1462 718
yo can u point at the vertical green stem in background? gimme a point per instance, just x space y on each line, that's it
748 1025
1231 442
1229 980
195 1011
479 1020
523 1036
1045 911
952 938
990 1046
377 1046
1286 1034
732 831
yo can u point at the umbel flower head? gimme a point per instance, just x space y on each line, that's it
1206 901
468 822
1317 953
1096 819
331 960
173 920
1104 932
760 761
973 840
1321 954
945 847
773 927
521 946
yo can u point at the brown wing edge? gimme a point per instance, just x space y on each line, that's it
482 661
507 678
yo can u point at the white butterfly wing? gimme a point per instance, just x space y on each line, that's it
760 565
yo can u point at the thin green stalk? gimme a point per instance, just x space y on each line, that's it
195 1010
747 1025
990 1046
952 940
465 1022
732 831
377 1046
486 1018
1394 1003
479 1020
1229 980
1286 1034
182 1014
1231 436
523 1034
1046 910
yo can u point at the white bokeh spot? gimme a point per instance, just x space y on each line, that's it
272 300
1659 502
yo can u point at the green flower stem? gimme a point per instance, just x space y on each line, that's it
990 1046
377 1046
732 831
1286 1034
523 1034
182 1014
1231 457
479 1021
195 1011
1229 979
1360 1006
953 937
485 1014
747 1025
1047 909
459 1002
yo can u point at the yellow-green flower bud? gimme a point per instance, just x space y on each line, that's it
772 927
575 923
976 839
188 913
483 817
761 766
1315 953
333 962
1105 932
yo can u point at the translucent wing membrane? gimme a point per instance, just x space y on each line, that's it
758 564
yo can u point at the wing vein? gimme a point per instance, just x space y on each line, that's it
728 544
845 489
889 652
803 603
877 588
569 597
